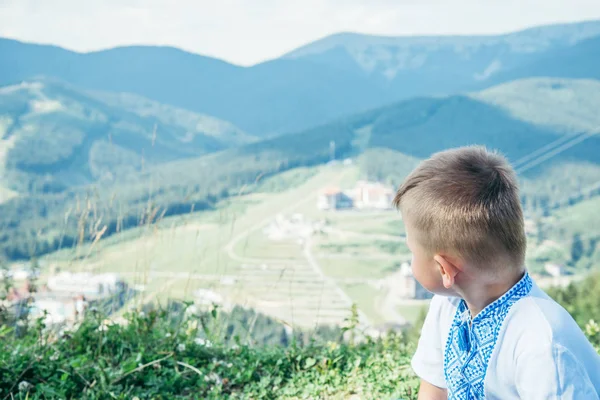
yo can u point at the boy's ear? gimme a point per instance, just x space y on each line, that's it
448 269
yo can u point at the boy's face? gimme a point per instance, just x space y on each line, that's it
425 269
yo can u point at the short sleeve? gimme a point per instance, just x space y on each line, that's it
553 372
428 361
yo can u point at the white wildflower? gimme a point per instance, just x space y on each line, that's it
203 342
168 335
592 328
213 377
181 347
25 386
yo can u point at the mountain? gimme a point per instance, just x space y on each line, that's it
546 127
581 60
269 98
333 77
54 136
387 55
448 64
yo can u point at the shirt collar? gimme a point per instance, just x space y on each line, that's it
519 290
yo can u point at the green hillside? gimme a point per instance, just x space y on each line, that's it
566 105
406 132
54 136
193 122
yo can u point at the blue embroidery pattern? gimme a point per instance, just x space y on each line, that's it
470 343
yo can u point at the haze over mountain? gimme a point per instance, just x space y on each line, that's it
519 118
327 79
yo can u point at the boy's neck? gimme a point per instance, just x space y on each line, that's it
480 296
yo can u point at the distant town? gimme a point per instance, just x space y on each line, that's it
64 297
364 196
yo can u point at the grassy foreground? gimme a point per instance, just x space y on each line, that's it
150 357
172 354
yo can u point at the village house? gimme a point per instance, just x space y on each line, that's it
364 196
66 296
554 270
406 286
373 195
333 198
90 285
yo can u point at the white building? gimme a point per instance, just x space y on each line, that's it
554 270
406 286
86 284
333 198
373 195
19 272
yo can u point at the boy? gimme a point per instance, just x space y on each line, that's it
490 331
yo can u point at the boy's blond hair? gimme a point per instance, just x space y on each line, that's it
466 201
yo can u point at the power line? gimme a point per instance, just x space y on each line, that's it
543 149
554 152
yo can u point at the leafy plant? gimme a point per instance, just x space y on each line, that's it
149 356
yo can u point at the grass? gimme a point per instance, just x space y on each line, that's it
190 248
258 246
354 267
177 255
391 226
412 312
365 297
569 105
368 222
167 256
578 218
362 248
387 222
558 230
284 181
156 356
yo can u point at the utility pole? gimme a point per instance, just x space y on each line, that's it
332 150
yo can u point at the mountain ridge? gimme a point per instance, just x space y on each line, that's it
55 135
292 94
326 42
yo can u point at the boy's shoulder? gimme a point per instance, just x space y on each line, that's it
535 321
540 340
536 341
538 316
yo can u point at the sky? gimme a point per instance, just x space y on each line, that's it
246 32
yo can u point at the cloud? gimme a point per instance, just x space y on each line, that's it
249 31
